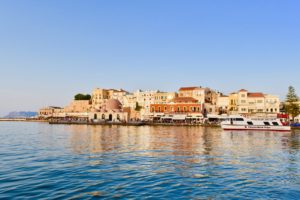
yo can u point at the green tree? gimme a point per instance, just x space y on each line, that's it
82 97
291 103
137 106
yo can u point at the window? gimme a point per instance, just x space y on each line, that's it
275 123
165 108
243 101
243 95
267 123
259 101
250 123
239 119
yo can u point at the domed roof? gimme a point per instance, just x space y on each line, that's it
113 104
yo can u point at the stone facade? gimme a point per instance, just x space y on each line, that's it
78 106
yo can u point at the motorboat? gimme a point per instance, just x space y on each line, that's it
242 123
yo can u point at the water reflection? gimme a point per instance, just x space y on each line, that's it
68 162
185 141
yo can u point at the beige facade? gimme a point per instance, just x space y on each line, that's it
78 106
100 96
49 112
164 97
222 104
145 99
201 94
247 103
130 101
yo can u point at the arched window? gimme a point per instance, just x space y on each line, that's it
95 116
118 117
103 116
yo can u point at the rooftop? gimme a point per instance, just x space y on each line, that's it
189 88
256 94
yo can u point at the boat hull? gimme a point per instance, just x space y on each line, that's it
255 128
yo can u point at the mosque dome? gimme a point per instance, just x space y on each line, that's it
113 104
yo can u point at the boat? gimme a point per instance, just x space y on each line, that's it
241 123
295 125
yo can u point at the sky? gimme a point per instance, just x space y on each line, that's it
51 50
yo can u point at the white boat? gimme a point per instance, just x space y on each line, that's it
242 123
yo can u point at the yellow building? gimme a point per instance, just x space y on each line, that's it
100 96
222 104
253 103
199 93
164 97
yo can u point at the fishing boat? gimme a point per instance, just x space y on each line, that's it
242 123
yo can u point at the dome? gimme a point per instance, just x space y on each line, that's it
113 104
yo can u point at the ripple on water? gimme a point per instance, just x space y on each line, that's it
85 162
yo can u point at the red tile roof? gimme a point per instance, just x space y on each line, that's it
188 88
243 90
256 94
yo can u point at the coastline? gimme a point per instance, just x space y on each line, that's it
22 120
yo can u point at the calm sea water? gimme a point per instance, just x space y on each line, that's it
41 161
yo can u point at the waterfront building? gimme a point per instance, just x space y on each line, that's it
222 103
253 103
144 99
100 96
130 101
164 97
177 105
178 109
119 95
201 94
110 111
48 112
77 106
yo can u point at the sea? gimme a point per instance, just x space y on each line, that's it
42 161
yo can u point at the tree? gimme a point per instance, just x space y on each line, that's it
137 107
82 97
291 103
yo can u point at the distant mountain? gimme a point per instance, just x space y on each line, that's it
21 114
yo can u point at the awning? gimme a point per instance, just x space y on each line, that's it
179 117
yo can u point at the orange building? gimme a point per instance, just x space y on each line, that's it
178 105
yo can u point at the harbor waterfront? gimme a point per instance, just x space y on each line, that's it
40 160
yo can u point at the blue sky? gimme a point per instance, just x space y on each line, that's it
50 50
